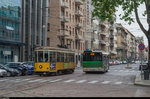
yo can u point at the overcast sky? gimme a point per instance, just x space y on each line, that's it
134 27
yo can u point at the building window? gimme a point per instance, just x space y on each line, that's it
48 27
48 41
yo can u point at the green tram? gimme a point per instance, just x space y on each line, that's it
95 61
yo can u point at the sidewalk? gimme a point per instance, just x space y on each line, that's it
141 82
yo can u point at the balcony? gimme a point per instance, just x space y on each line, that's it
79 25
103 33
113 52
102 42
111 44
79 2
79 13
111 36
111 28
124 42
64 19
79 37
63 33
93 39
64 4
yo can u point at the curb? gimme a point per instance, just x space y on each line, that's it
140 82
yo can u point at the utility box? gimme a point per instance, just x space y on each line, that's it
146 74
146 71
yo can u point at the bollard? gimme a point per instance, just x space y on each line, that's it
127 65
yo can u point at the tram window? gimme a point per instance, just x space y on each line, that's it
58 57
65 57
71 57
46 56
68 57
36 57
62 57
53 57
40 56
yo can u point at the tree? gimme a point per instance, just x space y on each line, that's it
105 9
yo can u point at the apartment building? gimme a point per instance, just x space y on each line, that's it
10 31
34 26
131 41
89 29
67 26
113 42
95 34
122 46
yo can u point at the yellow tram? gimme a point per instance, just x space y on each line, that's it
53 60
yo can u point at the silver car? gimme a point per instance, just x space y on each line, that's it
3 73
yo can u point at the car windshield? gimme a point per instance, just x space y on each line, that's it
30 63
12 64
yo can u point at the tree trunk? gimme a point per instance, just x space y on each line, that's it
149 52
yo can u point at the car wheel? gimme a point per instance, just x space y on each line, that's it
8 74
20 73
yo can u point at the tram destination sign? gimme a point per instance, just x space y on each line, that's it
141 46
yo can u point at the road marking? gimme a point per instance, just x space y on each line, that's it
132 71
105 82
56 80
68 81
81 81
25 80
35 80
118 83
44 81
93 82
3 80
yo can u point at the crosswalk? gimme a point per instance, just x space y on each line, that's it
125 71
74 81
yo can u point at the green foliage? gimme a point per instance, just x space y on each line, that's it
105 9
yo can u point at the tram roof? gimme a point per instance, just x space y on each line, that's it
52 48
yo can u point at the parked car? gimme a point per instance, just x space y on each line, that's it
10 71
110 62
30 66
118 63
19 66
124 62
114 63
137 62
3 73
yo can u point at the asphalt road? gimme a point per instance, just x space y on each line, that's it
117 82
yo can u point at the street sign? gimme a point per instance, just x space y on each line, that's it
141 46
